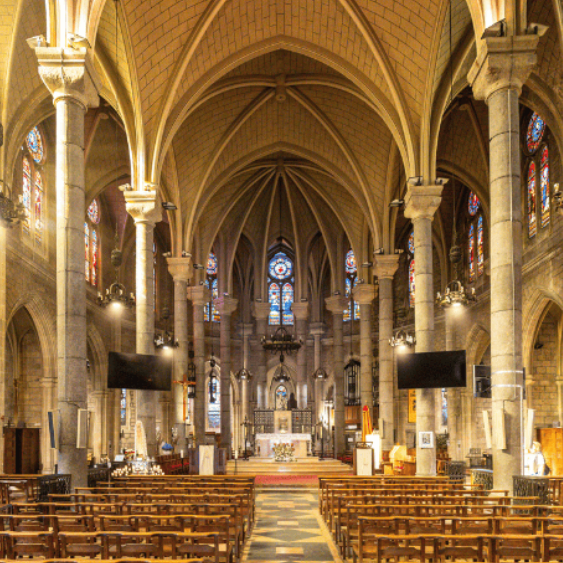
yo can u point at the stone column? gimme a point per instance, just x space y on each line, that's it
261 312
199 296
385 266
497 76
364 294
317 330
421 204
70 77
181 271
453 394
226 307
336 305
246 329
301 313
145 209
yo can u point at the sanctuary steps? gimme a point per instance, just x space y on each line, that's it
302 466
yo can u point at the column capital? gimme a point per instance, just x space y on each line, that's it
336 304
199 294
385 266
364 293
301 310
502 63
226 305
69 73
421 202
143 206
260 310
180 268
317 329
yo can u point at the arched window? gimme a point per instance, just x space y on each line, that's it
352 383
92 243
475 238
537 175
212 283
214 404
33 195
410 248
123 403
351 268
281 289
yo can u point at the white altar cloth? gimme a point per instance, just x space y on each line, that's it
266 442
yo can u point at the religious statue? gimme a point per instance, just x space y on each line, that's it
140 440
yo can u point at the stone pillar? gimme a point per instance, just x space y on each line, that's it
301 313
261 312
181 271
317 330
145 209
455 419
199 296
246 329
70 77
421 204
226 307
364 294
336 305
497 76
385 266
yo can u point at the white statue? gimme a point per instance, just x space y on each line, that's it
140 440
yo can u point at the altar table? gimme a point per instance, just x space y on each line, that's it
266 442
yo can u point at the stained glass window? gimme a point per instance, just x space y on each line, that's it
86 251
35 145
351 266
38 196
26 195
212 283
410 243
444 407
480 247
123 407
544 187
94 260
471 252
411 283
212 265
473 204
282 397
280 289
352 312
532 223
94 212
274 299
534 135
214 404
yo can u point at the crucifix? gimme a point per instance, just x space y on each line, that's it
185 383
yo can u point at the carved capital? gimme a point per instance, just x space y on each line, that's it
199 295
336 304
143 206
502 63
364 293
226 305
421 202
385 266
69 73
260 311
301 311
180 268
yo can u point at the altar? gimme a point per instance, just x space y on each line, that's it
266 442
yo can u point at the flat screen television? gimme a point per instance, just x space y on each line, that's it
139 371
431 370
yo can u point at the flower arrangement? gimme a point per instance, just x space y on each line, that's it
284 452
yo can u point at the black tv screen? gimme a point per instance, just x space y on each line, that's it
429 370
139 371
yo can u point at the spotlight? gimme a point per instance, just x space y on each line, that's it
367 264
536 29
169 206
37 41
167 254
125 188
78 42
379 251
415 181
398 202
399 251
186 254
197 266
495 30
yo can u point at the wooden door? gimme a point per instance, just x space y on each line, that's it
10 450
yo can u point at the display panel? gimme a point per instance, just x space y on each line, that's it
139 371
431 370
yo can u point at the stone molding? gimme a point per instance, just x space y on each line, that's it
226 305
199 295
317 329
180 268
69 74
143 206
364 293
301 311
336 304
260 310
385 266
422 202
503 63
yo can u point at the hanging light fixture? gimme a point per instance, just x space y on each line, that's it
11 212
116 295
165 340
320 375
455 295
282 374
402 338
243 374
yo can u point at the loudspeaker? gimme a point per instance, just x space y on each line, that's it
53 418
500 431
529 434
487 427
82 429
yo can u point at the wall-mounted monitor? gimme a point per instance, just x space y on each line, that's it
431 370
139 371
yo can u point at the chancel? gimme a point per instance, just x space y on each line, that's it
281 243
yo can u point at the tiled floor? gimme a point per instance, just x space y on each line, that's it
289 529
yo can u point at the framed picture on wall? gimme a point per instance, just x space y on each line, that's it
412 405
426 440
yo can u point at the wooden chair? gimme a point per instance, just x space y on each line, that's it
515 548
32 545
468 548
